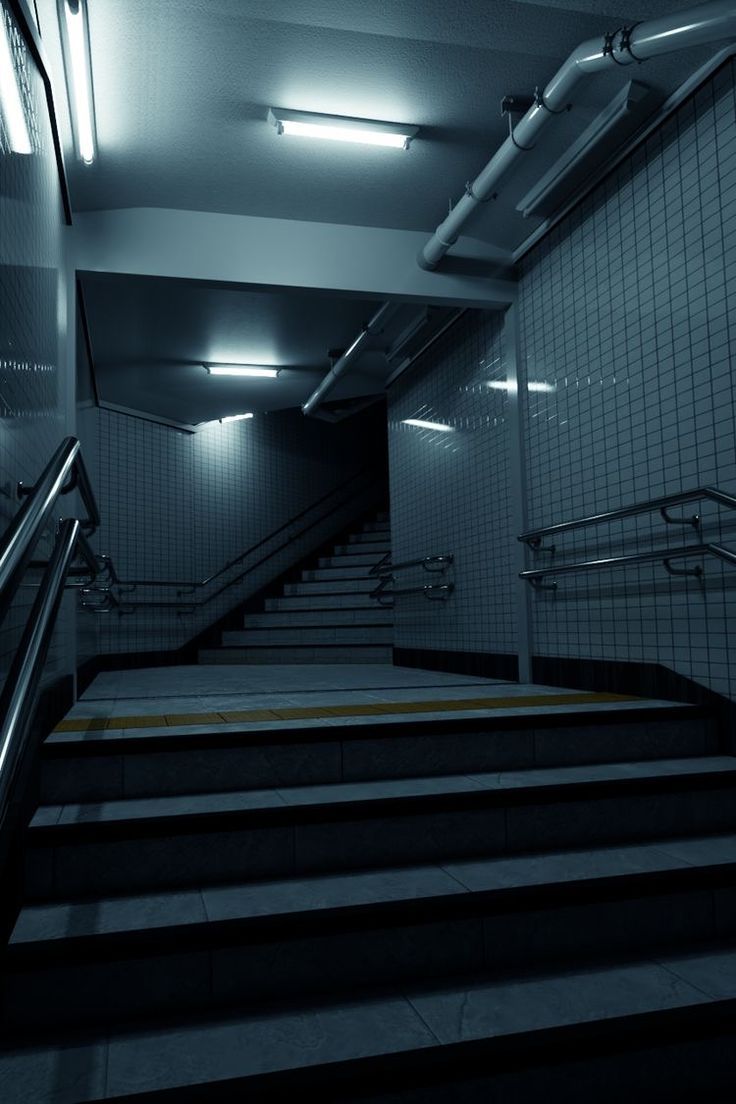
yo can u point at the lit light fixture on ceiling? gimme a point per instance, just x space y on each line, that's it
340 128
11 100
420 424
532 385
254 371
78 66
235 418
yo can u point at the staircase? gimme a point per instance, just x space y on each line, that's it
327 617
531 906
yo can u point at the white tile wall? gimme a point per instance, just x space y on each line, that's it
33 411
627 311
451 492
178 506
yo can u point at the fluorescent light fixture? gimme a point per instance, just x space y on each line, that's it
11 100
340 128
236 417
254 371
79 77
420 424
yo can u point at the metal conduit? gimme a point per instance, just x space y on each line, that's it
711 22
340 366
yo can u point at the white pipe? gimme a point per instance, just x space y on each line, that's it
709 22
323 389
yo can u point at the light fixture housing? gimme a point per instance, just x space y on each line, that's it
78 68
235 417
421 424
342 128
11 97
253 371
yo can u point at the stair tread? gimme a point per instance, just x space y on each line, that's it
110 916
208 1050
348 794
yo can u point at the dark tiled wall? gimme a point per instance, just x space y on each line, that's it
628 311
177 505
451 490
33 413
626 392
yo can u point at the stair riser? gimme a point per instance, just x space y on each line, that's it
213 769
221 969
350 839
290 619
353 560
359 634
340 573
324 654
331 586
322 602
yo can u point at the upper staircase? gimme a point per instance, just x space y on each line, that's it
326 617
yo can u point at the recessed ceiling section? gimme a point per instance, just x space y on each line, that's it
151 338
172 140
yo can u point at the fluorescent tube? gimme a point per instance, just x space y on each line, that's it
340 128
428 425
79 76
254 371
236 417
10 96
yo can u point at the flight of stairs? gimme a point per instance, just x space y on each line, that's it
457 909
327 617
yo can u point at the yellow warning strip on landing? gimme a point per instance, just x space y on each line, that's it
317 712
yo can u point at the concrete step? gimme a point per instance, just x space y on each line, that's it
312 636
321 653
331 586
374 537
329 574
349 561
380 527
340 934
609 1032
265 751
315 602
371 615
133 845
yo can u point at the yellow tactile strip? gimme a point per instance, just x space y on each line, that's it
315 712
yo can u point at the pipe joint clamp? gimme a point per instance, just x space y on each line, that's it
471 194
539 101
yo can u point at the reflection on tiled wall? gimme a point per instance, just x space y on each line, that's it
450 490
178 506
32 417
627 317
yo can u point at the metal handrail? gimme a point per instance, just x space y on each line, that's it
64 472
432 591
188 586
385 567
663 555
17 700
534 536
191 606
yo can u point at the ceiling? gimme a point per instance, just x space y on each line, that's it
151 337
182 88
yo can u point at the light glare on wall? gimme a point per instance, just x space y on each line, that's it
11 100
428 425
79 77
254 371
532 385
340 128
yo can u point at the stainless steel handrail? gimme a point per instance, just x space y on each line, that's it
533 536
17 700
662 555
64 471
385 567
432 591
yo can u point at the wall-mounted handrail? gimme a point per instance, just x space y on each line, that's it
348 487
384 572
429 563
17 700
661 555
534 536
188 585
